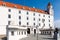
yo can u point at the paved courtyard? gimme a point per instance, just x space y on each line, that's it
39 37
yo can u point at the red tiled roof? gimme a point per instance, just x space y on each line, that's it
22 7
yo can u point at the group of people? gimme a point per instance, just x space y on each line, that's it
56 34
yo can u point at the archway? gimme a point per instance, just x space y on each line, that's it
34 31
28 30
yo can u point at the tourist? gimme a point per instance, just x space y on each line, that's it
55 33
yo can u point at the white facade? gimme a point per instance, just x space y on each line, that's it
19 32
10 16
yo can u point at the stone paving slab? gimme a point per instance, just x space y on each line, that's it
40 37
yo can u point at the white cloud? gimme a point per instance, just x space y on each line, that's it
57 23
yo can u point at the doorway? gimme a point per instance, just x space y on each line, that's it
34 31
28 30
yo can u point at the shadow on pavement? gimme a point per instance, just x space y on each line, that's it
49 38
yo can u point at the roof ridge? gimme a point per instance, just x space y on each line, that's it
8 4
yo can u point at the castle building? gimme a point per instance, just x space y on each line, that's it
16 21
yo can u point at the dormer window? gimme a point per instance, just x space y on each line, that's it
23 8
3 4
29 9
15 6
35 10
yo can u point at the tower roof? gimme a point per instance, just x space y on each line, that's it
49 4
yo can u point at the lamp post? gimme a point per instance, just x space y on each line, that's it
37 31
37 27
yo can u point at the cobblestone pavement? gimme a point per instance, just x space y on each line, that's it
39 37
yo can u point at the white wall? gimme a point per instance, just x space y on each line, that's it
3 20
15 17
2 30
16 35
3 16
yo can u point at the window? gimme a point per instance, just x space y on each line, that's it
43 20
39 19
25 32
34 14
34 24
9 22
34 19
19 17
39 24
43 25
19 32
9 10
19 11
19 22
49 20
49 16
15 6
3 4
27 13
22 32
39 14
27 23
27 18
9 16
12 32
43 15
49 24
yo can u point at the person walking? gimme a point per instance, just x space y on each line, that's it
56 34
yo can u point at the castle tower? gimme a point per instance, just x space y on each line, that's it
50 8
51 12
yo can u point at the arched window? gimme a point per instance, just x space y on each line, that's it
12 33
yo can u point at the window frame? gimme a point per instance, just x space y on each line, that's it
9 22
9 10
19 17
9 16
19 22
12 33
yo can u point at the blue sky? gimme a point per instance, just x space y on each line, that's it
40 4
